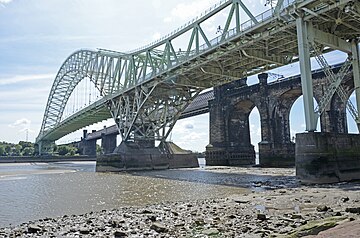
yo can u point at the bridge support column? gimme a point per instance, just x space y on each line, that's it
356 72
44 147
87 147
305 70
334 119
229 131
138 156
323 157
108 143
275 148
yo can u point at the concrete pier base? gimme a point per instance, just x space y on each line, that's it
132 156
276 155
327 157
235 156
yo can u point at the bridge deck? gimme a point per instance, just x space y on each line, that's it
265 42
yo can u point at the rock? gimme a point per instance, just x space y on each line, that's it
314 227
152 217
261 216
84 231
193 213
322 208
158 227
241 201
345 230
146 211
210 232
199 222
115 224
345 199
120 234
34 229
296 216
353 209
180 224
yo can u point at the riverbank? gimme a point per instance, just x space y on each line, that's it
277 206
44 159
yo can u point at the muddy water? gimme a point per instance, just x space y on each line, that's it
35 191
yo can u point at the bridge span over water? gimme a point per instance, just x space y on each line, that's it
146 90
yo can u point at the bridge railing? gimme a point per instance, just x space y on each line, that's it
246 25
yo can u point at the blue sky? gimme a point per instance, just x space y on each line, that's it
36 36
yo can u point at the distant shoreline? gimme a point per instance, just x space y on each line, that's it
38 159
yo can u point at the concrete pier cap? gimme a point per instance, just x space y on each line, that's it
324 157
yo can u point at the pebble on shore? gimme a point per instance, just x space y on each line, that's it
280 208
297 212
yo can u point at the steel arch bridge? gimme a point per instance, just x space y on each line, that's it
146 90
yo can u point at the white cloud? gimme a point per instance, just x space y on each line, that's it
23 78
184 126
192 139
5 1
23 122
184 11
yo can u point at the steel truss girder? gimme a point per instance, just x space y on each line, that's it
334 85
116 73
150 112
317 39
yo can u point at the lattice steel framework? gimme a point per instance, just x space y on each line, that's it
146 90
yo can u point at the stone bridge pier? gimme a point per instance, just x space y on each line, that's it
87 145
230 142
108 143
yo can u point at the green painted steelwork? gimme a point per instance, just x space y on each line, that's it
146 90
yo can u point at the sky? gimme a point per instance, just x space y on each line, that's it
36 36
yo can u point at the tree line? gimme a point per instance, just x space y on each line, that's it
24 148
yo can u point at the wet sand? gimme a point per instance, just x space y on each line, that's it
276 205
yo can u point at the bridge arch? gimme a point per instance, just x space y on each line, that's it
101 67
351 125
67 78
239 133
281 115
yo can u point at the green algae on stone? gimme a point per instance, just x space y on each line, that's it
315 227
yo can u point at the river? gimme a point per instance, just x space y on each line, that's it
39 190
